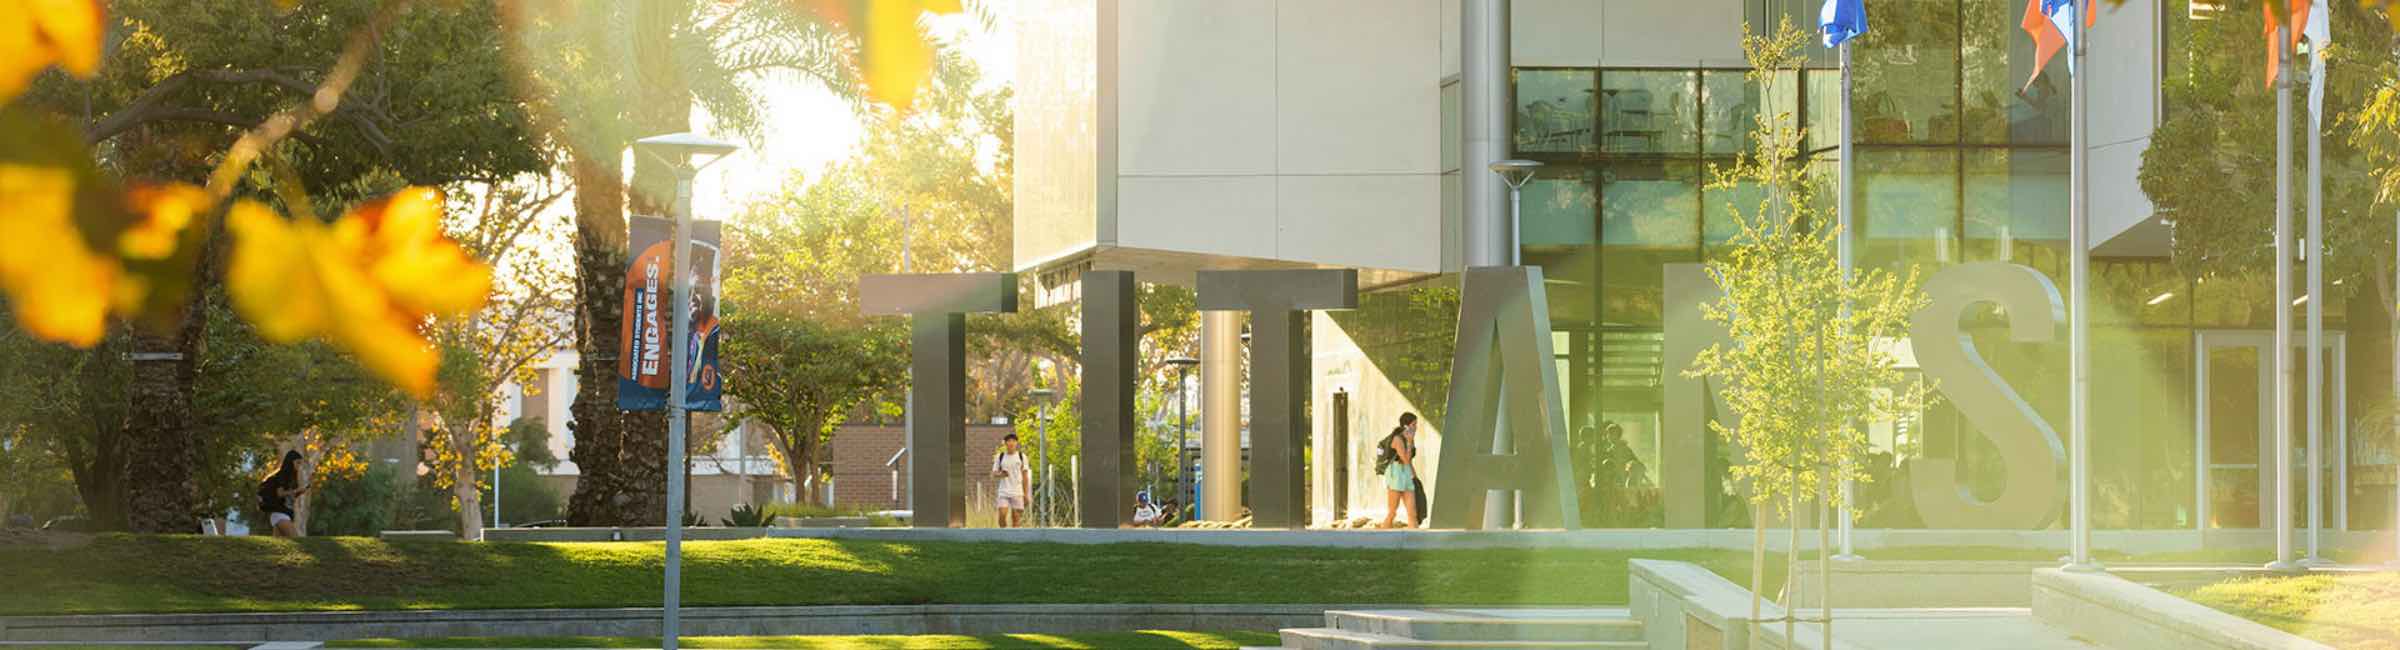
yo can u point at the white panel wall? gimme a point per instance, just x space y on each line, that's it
1218 215
1358 87
1292 131
2124 87
1557 32
1681 33
1360 221
1450 38
1060 196
1198 87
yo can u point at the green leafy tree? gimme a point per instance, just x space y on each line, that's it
1802 371
2210 169
174 91
360 505
802 378
524 321
601 73
528 441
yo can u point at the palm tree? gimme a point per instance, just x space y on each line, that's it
604 73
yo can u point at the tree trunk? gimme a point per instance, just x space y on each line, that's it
463 474
596 425
1791 563
302 503
1758 563
99 469
804 466
1824 568
163 496
665 106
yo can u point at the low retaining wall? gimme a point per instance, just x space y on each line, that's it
1893 584
644 621
2116 613
1685 607
1867 541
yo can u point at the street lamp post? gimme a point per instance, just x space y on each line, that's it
1516 173
1041 417
677 151
1183 469
1506 509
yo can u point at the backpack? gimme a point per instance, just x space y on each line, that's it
1384 456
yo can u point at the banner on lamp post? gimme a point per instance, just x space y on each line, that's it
644 344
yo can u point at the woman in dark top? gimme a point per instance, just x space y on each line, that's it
275 495
1399 457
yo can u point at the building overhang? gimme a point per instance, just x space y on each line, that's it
1056 280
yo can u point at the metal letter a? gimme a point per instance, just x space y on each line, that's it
1504 338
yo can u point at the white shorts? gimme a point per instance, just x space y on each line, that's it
277 519
1010 502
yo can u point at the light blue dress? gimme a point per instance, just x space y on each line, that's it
1400 477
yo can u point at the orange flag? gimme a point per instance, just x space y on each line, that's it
2047 40
2275 50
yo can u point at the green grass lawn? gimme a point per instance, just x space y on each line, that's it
125 574
2359 611
1144 640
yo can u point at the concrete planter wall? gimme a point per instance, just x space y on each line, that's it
1685 607
2117 613
1920 583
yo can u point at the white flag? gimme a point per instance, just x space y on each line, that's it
2320 35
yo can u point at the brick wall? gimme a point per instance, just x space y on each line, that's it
861 480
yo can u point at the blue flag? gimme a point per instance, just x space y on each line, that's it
1842 20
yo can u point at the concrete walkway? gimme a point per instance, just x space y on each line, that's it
1963 628
265 627
2125 541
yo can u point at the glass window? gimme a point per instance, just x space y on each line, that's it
1730 106
1650 204
2001 107
1724 210
1648 111
2014 198
1824 113
1907 75
1558 210
1908 200
1554 111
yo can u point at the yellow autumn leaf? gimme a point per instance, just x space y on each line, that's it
36 34
363 282
403 234
894 57
161 212
57 287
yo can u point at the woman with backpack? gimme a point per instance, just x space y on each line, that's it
1395 458
275 495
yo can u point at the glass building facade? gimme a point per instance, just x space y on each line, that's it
1959 160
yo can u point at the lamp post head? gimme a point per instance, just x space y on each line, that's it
678 148
1515 172
1182 362
1043 394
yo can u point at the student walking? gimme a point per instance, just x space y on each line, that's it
1395 458
1015 482
275 495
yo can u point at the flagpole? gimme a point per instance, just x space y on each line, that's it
2314 253
2079 330
1844 206
2282 463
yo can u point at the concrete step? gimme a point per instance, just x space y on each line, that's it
1491 624
1325 638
